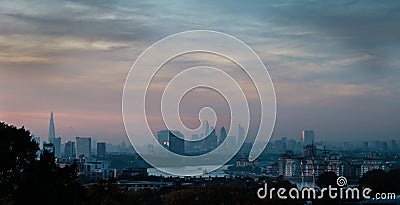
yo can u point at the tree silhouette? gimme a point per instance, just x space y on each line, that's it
326 179
25 180
394 178
17 153
380 181
45 183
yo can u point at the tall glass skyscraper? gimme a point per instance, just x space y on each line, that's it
52 130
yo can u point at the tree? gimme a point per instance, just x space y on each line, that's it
184 196
25 180
143 196
378 180
394 177
17 152
46 183
281 182
326 179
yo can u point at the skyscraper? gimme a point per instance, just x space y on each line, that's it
393 146
176 142
83 146
101 149
307 137
52 130
69 149
222 135
384 147
163 138
206 128
57 147
211 141
172 140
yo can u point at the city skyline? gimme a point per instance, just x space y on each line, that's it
306 137
336 73
176 142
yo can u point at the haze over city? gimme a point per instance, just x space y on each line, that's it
334 68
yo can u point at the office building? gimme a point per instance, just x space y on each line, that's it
176 143
172 140
222 135
307 137
69 149
57 147
211 141
101 149
206 128
163 138
385 147
393 146
83 146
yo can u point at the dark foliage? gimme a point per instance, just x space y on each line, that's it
17 153
25 180
380 181
326 179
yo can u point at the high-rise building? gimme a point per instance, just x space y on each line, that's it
101 149
52 130
211 141
69 149
393 146
176 142
83 146
284 144
172 140
163 138
222 135
240 134
206 128
309 151
57 147
384 147
307 137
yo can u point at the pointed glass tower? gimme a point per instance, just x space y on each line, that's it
52 131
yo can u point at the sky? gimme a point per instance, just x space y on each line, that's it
334 64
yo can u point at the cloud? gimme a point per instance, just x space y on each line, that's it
324 57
